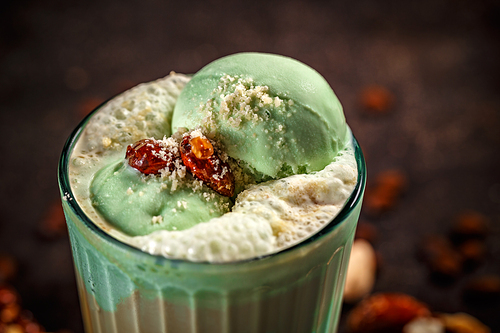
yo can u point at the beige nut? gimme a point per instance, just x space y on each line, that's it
361 271
424 325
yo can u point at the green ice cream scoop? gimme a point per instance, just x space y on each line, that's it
138 205
274 114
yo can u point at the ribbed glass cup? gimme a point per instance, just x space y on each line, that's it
125 290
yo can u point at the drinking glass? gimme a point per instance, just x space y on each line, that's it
125 290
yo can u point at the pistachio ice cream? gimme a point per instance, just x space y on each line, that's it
276 114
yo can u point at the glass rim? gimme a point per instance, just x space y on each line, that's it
68 196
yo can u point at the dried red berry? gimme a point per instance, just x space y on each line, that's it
385 312
202 161
149 156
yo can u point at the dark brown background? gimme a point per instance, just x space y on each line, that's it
440 58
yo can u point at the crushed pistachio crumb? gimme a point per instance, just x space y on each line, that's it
157 219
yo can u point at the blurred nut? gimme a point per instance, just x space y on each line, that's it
13 328
384 194
28 322
424 325
473 251
469 225
9 313
463 323
443 260
7 296
483 289
12 317
8 268
33 328
385 312
361 271
26 316
394 180
377 99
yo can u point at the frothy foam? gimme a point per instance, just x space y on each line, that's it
266 218
230 237
142 112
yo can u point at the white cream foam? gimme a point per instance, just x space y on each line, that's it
266 218
142 112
